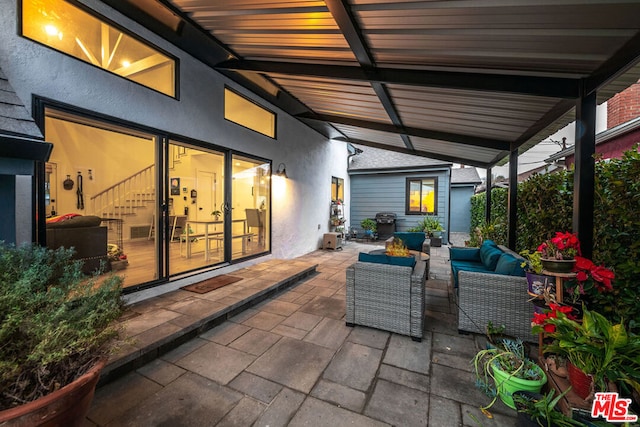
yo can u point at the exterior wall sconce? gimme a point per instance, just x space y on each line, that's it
282 171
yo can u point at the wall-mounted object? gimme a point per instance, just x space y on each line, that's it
67 184
174 186
194 194
282 171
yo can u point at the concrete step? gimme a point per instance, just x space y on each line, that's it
158 340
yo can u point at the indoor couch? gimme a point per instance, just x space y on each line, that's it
491 286
84 234
387 293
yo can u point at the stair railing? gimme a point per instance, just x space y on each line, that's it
126 196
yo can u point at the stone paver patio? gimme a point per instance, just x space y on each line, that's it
291 360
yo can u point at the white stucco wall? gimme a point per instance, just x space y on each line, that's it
310 158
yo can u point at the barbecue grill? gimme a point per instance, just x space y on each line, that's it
386 224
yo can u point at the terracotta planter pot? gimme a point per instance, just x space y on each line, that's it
580 381
66 407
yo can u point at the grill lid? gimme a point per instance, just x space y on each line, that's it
385 217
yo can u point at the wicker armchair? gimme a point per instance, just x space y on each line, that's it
503 300
387 297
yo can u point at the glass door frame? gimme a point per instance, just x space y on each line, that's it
162 141
228 154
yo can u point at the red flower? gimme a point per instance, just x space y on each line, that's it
603 275
542 247
583 263
582 276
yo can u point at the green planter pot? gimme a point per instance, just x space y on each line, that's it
507 385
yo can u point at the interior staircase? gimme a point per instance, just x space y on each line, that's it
127 197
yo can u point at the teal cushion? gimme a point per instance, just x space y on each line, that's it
412 240
464 254
490 254
382 258
457 266
509 265
406 261
375 258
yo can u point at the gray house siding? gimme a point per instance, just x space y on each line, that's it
461 208
385 192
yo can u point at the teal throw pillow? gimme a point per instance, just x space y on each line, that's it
464 254
489 254
508 265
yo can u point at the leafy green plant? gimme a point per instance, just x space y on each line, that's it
596 346
428 224
545 205
533 261
494 230
55 323
369 224
510 358
541 408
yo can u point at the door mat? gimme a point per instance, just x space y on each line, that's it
211 284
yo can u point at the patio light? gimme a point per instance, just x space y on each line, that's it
282 171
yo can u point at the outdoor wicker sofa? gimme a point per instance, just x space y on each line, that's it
501 299
387 297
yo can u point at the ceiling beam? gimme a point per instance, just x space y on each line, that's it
621 61
554 87
352 33
430 155
408 131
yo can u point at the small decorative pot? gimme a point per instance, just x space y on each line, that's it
580 381
558 265
538 282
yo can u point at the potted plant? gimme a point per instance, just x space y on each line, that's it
496 335
536 409
369 226
598 352
532 264
56 327
559 252
502 370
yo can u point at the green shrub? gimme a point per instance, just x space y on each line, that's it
54 321
545 205
428 223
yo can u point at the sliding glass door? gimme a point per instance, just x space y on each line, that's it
250 207
101 183
148 207
195 207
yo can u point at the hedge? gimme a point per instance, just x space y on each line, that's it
545 205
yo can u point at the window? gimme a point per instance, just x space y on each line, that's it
337 188
244 112
68 29
421 196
